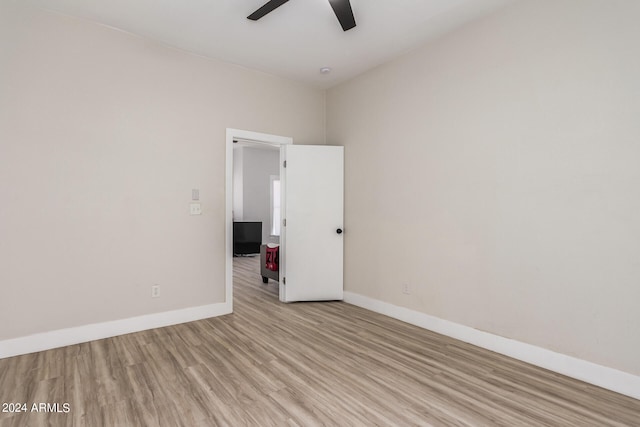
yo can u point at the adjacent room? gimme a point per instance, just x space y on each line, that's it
256 212
480 265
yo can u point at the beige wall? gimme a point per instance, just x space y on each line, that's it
102 137
496 170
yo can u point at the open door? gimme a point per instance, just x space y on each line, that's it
311 240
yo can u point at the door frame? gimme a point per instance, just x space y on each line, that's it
247 136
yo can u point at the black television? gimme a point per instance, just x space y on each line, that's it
247 238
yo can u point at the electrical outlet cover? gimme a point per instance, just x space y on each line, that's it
195 209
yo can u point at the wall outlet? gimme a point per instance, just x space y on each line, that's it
405 289
155 291
195 209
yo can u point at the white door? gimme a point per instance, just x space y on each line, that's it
311 241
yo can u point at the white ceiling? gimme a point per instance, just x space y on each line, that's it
295 40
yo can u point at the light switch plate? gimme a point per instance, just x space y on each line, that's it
195 209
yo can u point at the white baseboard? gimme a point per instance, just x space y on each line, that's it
602 376
96 331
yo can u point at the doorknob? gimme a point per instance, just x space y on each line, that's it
339 231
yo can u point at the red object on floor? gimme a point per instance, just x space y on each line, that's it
272 258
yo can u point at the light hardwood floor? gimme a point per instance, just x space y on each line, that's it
306 364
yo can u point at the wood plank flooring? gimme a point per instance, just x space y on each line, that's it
306 364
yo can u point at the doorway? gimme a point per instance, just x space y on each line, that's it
312 205
251 139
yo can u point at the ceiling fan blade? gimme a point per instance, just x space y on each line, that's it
342 9
266 8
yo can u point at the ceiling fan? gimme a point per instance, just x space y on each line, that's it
342 9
